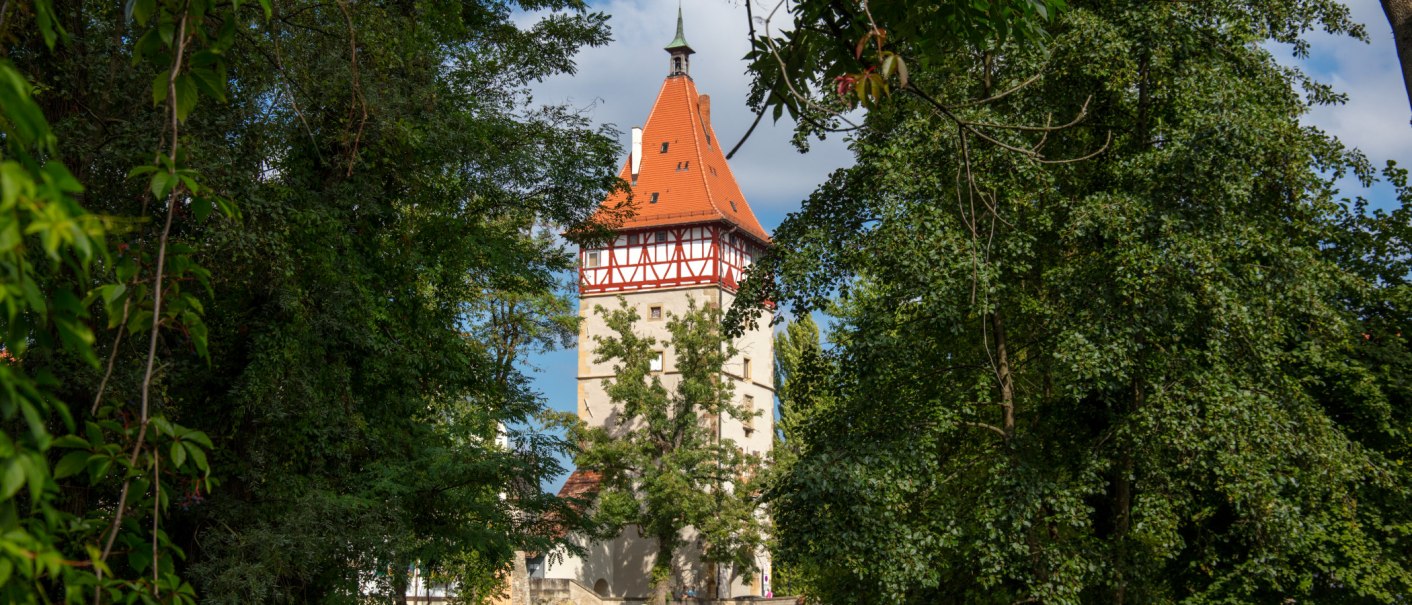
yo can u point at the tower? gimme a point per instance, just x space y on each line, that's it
691 238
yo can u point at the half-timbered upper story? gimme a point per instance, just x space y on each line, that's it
690 224
669 256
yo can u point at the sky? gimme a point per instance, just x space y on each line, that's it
616 84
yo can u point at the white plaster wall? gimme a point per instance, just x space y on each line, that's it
633 555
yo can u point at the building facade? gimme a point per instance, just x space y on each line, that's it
691 238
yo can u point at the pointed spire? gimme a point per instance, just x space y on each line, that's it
680 41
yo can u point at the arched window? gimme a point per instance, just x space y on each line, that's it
676 65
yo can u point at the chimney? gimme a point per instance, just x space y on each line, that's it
704 105
636 153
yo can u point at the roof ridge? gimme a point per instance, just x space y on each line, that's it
694 104
684 195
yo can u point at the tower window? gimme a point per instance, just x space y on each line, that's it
654 194
654 312
745 369
657 361
676 64
750 408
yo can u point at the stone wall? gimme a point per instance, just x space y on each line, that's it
547 591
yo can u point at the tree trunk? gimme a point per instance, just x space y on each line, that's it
400 583
519 580
1123 507
1399 16
1002 371
662 570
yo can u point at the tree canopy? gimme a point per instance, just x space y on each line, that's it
664 468
1143 351
296 251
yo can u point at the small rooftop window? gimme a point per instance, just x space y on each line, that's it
664 147
654 197
733 208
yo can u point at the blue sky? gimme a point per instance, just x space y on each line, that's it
617 84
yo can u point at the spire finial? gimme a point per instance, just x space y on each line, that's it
681 31
679 43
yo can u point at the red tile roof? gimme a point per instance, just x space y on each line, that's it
581 484
691 179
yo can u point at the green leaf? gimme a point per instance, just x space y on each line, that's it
139 559
161 87
71 464
70 441
178 454
201 207
77 338
113 292
60 177
141 170
148 47
199 437
98 465
211 83
162 183
186 96
13 479
48 25
164 427
139 320
197 455
9 234
144 10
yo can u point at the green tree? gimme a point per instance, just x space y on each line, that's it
663 468
1100 381
798 358
800 370
390 176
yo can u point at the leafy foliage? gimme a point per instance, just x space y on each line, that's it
1163 374
829 52
290 391
664 468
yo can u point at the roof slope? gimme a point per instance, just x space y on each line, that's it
690 178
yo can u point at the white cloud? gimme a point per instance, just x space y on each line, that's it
1375 119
